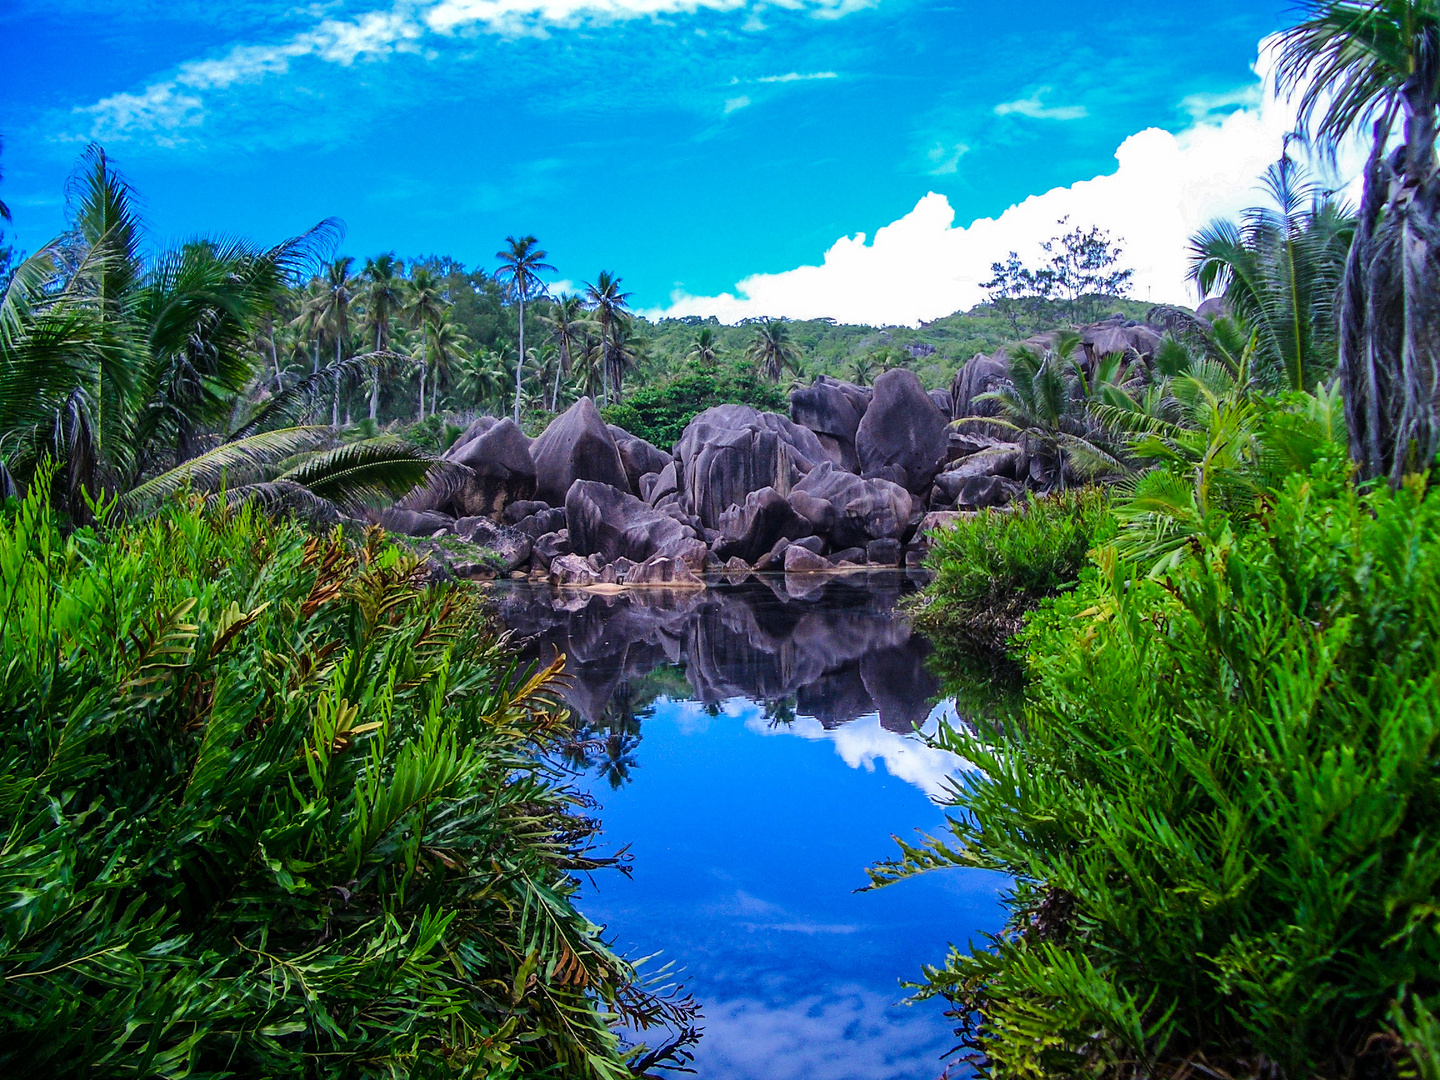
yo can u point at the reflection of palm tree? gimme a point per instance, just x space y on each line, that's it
780 713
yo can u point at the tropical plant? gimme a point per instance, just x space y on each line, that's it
608 306
1355 63
277 808
384 292
704 348
1280 271
521 262
1217 807
567 323
1042 401
771 350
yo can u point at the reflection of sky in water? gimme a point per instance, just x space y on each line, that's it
749 839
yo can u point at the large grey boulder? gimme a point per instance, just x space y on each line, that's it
414 522
980 375
849 509
902 429
603 520
749 531
1118 334
729 451
576 446
637 457
511 547
501 467
942 401
832 410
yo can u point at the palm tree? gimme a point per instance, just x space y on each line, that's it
703 348
1279 271
771 349
608 305
567 326
1040 401
127 372
1360 62
449 348
424 305
384 295
521 263
862 369
335 301
480 377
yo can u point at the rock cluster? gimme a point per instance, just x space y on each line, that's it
853 477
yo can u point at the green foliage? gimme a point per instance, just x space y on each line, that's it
1218 807
276 808
994 567
659 413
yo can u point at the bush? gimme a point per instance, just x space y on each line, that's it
659 414
274 807
993 568
1219 806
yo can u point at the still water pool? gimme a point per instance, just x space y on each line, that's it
754 747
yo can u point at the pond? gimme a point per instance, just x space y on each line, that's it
753 744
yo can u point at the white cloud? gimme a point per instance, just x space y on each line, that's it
731 104
1165 186
1035 109
795 76
377 35
946 159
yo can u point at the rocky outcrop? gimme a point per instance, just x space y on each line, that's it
749 531
849 509
637 457
576 446
729 451
664 571
605 521
832 410
902 430
1118 334
799 560
980 375
415 522
942 401
510 547
497 453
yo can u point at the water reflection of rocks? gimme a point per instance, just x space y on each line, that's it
834 650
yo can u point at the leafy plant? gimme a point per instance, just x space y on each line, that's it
1218 807
275 807
659 414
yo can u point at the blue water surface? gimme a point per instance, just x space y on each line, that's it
750 836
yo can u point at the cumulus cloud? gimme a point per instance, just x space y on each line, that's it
162 109
1164 187
1036 109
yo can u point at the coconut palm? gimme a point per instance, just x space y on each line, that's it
567 323
1279 270
335 299
384 296
480 377
1371 62
703 347
521 263
1043 402
449 350
424 306
771 349
126 372
608 304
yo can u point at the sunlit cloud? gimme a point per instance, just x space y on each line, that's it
1164 188
795 76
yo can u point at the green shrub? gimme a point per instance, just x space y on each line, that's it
659 414
273 807
1219 808
993 568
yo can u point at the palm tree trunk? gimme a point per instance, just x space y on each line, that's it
424 361
560 364
375 378
520 360
335 407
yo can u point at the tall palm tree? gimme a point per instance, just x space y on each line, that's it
384 295
609 307
521 263
771 350
424 305
480 377
1279 270
335 300
567 324
703 347
448 348
1371 62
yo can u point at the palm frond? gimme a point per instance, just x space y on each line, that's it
235 462
370 472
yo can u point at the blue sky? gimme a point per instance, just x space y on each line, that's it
684 146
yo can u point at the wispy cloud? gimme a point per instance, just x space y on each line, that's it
734 103
795 76
945 160
1035 108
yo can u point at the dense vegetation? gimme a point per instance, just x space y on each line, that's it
276 807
